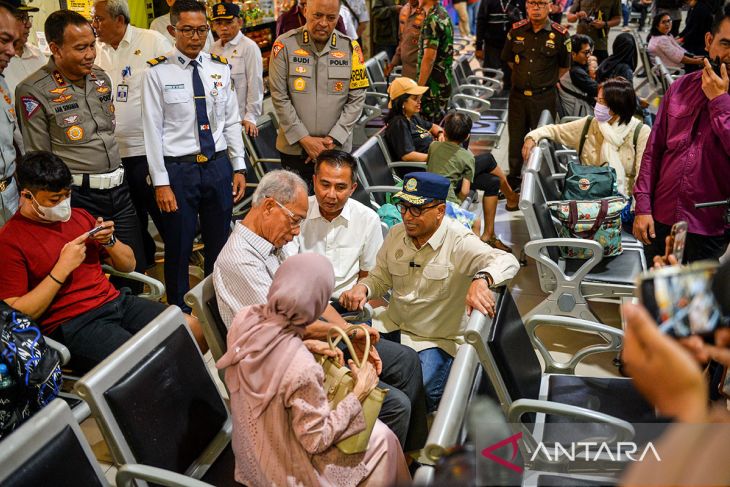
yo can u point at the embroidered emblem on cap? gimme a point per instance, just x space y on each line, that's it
411 184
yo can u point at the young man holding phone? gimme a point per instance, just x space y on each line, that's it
52 267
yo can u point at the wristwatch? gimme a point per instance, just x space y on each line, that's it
485 276
111 242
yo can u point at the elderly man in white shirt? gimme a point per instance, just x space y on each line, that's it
28 58
244 56
162 25
345 231
122 50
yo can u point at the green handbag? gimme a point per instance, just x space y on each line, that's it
586 183
338 383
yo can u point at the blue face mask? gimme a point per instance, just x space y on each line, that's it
601 113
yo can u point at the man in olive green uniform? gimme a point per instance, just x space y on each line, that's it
435 57
595 18
66 108
538 52
317 79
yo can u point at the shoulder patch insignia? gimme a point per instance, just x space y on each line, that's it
519 24
219 59
30 105
278 46
559 28
157 60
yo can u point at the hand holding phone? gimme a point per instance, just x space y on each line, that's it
679 237
95 230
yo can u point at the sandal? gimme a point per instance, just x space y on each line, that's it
497 244
512 208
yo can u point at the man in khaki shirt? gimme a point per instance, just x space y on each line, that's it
432 264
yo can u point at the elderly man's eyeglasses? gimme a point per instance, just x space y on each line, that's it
413 209
537 4
24 17
296 221
188 32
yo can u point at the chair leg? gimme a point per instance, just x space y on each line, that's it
565 302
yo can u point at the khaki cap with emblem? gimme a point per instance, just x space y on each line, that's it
225 11
404 86
420 188
22 6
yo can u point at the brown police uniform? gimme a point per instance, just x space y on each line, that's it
536 58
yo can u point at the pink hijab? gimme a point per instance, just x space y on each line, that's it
263 338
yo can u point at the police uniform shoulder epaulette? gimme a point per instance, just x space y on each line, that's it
560 28
519 24
157 60
219 59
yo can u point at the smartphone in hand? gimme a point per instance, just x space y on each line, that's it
95 230
679 237
716 63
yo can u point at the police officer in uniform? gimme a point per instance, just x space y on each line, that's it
66 107
191 126
317 80
538 52
8 188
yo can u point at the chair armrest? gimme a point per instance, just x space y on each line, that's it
369 112
566 152
469 199
535 247
157 289
131 471
414 165
60 348
475 116
374 94
382 189
613 336
485 104
623 430
477 89
490 72
483 80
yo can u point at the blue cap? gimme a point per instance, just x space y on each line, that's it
225 11
420 188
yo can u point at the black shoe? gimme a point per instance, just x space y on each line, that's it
415 465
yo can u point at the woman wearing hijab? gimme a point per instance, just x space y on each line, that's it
284 432
610 137
623 60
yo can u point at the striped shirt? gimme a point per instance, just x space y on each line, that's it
244 271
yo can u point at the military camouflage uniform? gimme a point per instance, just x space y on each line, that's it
437 32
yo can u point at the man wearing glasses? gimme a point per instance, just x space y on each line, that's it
538 52
191 127
438 271
28 58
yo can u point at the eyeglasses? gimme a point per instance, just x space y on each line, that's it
586 52
666 21
537 4
296 221
188 32
25 18
414 210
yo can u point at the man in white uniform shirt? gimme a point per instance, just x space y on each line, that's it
192 132
122 50
28 58
345 231
161 24
244 56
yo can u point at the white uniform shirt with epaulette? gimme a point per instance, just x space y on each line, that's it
247 70
168 111
126 65
20 67
316 93
8 189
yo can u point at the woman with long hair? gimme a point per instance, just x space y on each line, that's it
663 45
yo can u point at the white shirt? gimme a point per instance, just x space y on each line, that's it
126 65
350 241
247 71
160 25
352 17
168 112
20 68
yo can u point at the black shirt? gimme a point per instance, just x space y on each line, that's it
495 19
405 136
580 78
699 22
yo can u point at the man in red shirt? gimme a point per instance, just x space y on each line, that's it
52 267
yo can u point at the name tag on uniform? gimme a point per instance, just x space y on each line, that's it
122 91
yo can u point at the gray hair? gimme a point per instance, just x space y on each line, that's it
115 8
281 185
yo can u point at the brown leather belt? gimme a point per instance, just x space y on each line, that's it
536 91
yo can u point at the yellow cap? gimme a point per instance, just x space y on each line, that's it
404 85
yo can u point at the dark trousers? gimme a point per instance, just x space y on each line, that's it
483 179
696 247
493 59
115 204
523 116
143 199
200 190
96 334
296 164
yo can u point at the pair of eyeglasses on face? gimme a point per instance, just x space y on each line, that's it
586 52
25 18
296 221
188 32
414 210
537 4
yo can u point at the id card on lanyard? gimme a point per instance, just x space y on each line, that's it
123 87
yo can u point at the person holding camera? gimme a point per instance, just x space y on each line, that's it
595 18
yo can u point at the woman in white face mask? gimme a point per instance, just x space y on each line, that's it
613 135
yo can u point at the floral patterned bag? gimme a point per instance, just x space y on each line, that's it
598 220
